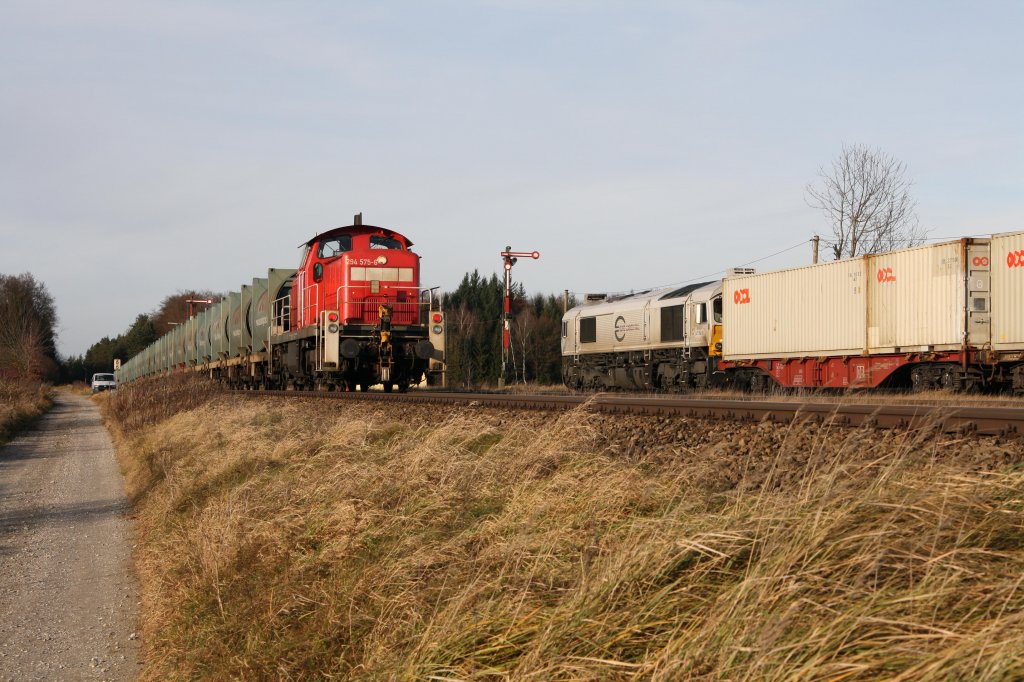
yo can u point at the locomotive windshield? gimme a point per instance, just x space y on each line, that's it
381 242
329 248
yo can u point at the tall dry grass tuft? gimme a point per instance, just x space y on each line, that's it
149 401
132 411
294 540
22 402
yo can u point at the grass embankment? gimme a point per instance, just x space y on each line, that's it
21 404
294 539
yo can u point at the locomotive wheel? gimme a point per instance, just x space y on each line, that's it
350 386
403 386
364 387
388 386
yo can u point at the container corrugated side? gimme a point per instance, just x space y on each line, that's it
218 339
234 323
245 330
191 350
1008 291
259 313
179 344
916 299
203 339
816 310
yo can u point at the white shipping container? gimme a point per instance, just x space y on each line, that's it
1008 291
916 299
819 308
905 301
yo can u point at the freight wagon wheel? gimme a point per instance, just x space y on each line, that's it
388 387
403 386
364 387
350 386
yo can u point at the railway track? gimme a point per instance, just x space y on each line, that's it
1004 421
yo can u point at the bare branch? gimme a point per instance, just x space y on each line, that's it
865 196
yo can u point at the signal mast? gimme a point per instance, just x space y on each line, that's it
510 257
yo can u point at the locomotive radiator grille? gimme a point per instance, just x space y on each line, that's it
402 313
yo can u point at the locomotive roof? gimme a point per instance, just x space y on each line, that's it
616 302
360 229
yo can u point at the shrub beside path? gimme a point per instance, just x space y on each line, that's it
68 600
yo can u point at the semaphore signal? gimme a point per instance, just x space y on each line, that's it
511 258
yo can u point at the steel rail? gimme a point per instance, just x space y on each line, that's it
1004 421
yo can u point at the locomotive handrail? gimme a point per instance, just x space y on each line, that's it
417 302
281 314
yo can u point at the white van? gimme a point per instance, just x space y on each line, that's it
103 382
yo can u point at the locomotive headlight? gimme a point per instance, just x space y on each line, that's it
718 346
437 329
332 328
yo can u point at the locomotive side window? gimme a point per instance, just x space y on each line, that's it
672 321
716 307
588 330
565 328
702 313
329 248
380 242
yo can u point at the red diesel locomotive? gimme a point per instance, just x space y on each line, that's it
354 316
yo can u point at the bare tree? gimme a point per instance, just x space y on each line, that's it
866 197
28 320
174 309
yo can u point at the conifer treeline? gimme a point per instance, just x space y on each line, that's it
474 312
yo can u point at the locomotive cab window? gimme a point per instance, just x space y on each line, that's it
716 308
381 242
588 330
329 248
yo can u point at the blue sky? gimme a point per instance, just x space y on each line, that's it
148 147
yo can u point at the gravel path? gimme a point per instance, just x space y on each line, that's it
68 599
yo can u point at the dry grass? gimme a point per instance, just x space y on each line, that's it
148 401
293 540
21 403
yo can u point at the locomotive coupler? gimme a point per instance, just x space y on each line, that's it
384 344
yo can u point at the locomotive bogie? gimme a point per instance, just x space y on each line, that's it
661 369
